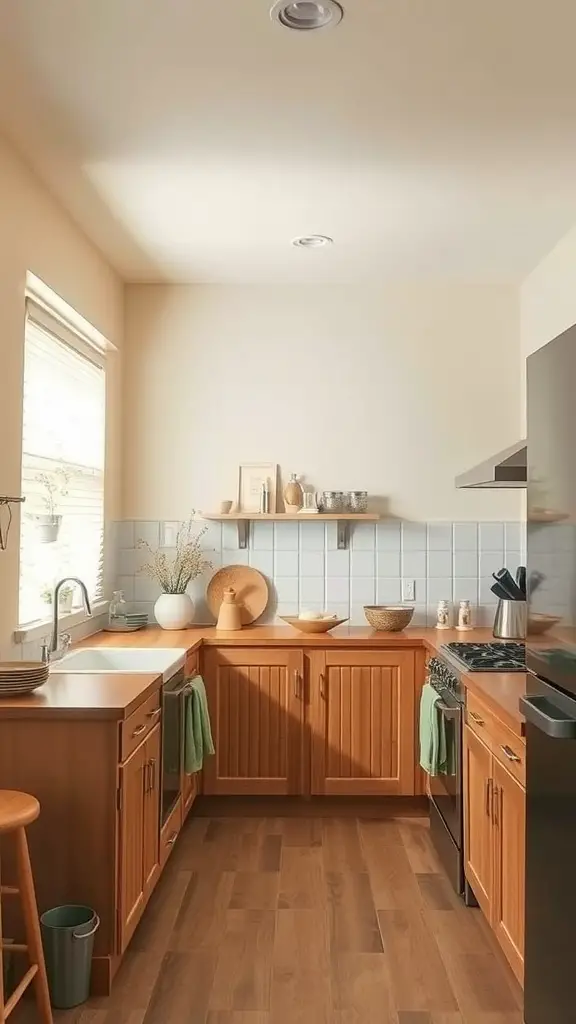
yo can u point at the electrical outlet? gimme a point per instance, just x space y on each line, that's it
408 590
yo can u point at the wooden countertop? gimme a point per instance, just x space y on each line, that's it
83 695
284 636
104 695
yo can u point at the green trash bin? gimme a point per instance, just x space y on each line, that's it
68 939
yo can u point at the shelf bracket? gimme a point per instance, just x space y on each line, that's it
243 532
343 534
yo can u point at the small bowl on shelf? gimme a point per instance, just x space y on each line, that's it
320 625
388 618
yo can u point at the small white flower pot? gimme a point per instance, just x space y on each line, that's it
48 528
174 611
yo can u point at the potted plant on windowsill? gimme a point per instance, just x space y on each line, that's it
64 598
174 609
48 523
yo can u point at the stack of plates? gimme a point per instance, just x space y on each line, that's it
21 677
132 622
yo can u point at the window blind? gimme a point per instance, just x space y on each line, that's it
63 446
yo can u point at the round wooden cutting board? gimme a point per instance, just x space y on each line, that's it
250 586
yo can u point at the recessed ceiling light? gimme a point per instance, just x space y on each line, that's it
305 15
312 241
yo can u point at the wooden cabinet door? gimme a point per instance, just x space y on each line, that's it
509 866
362 722
131 897
478 831
152 784
256 701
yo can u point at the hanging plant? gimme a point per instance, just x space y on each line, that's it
55 485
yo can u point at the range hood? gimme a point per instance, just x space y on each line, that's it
506 469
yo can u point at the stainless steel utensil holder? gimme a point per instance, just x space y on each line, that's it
510 621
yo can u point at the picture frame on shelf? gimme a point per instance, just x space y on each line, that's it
251 476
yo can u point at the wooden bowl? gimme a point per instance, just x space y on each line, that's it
388 618
312 625
538 624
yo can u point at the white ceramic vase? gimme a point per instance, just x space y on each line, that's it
174 611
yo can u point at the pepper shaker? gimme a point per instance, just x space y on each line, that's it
443 615
464 616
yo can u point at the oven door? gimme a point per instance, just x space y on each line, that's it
446 789
173 708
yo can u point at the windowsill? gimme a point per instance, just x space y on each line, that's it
42 627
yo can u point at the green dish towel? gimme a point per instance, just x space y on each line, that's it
198 741
434 756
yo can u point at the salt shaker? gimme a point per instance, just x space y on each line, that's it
464 616
443 615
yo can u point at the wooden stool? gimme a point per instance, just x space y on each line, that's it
16 811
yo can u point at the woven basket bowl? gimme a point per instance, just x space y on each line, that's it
388 618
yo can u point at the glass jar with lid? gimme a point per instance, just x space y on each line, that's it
118 609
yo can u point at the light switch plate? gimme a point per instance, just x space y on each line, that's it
168 534
408 590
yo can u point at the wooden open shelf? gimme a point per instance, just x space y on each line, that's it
342 518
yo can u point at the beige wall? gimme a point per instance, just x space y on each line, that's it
36 235
395 389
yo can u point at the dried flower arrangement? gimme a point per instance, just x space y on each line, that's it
187 564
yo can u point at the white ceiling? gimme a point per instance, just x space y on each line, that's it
193 139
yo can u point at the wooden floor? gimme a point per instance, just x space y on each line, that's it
306 921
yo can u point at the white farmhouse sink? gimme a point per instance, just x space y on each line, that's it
167 660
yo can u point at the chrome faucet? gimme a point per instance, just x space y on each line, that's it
57 650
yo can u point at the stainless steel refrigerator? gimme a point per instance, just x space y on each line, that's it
550 707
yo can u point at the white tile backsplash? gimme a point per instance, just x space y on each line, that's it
263 561
413 564
452 561
286 536
363 563
312 537
492 536
312 592
439 563
286 563
414 536
312 563
388 563
388 536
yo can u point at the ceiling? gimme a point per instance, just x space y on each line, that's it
193 139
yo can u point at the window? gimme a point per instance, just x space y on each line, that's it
63 446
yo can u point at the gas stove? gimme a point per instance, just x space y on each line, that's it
488 657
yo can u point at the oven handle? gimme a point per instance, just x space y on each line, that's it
185 688
450 713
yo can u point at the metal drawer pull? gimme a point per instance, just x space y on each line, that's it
153 714
476 718
172 840
323 686
152 764
297 691
489 794
495 807
140 729
511 755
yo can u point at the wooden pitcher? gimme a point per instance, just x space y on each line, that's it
229 616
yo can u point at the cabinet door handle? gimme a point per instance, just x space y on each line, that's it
297 689
154 714
172 840
476 718
152 764
509 753
139 729
495 807
489 797
323 690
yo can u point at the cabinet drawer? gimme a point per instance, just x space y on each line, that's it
139 724
480 719
510 750
504 744
170 832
